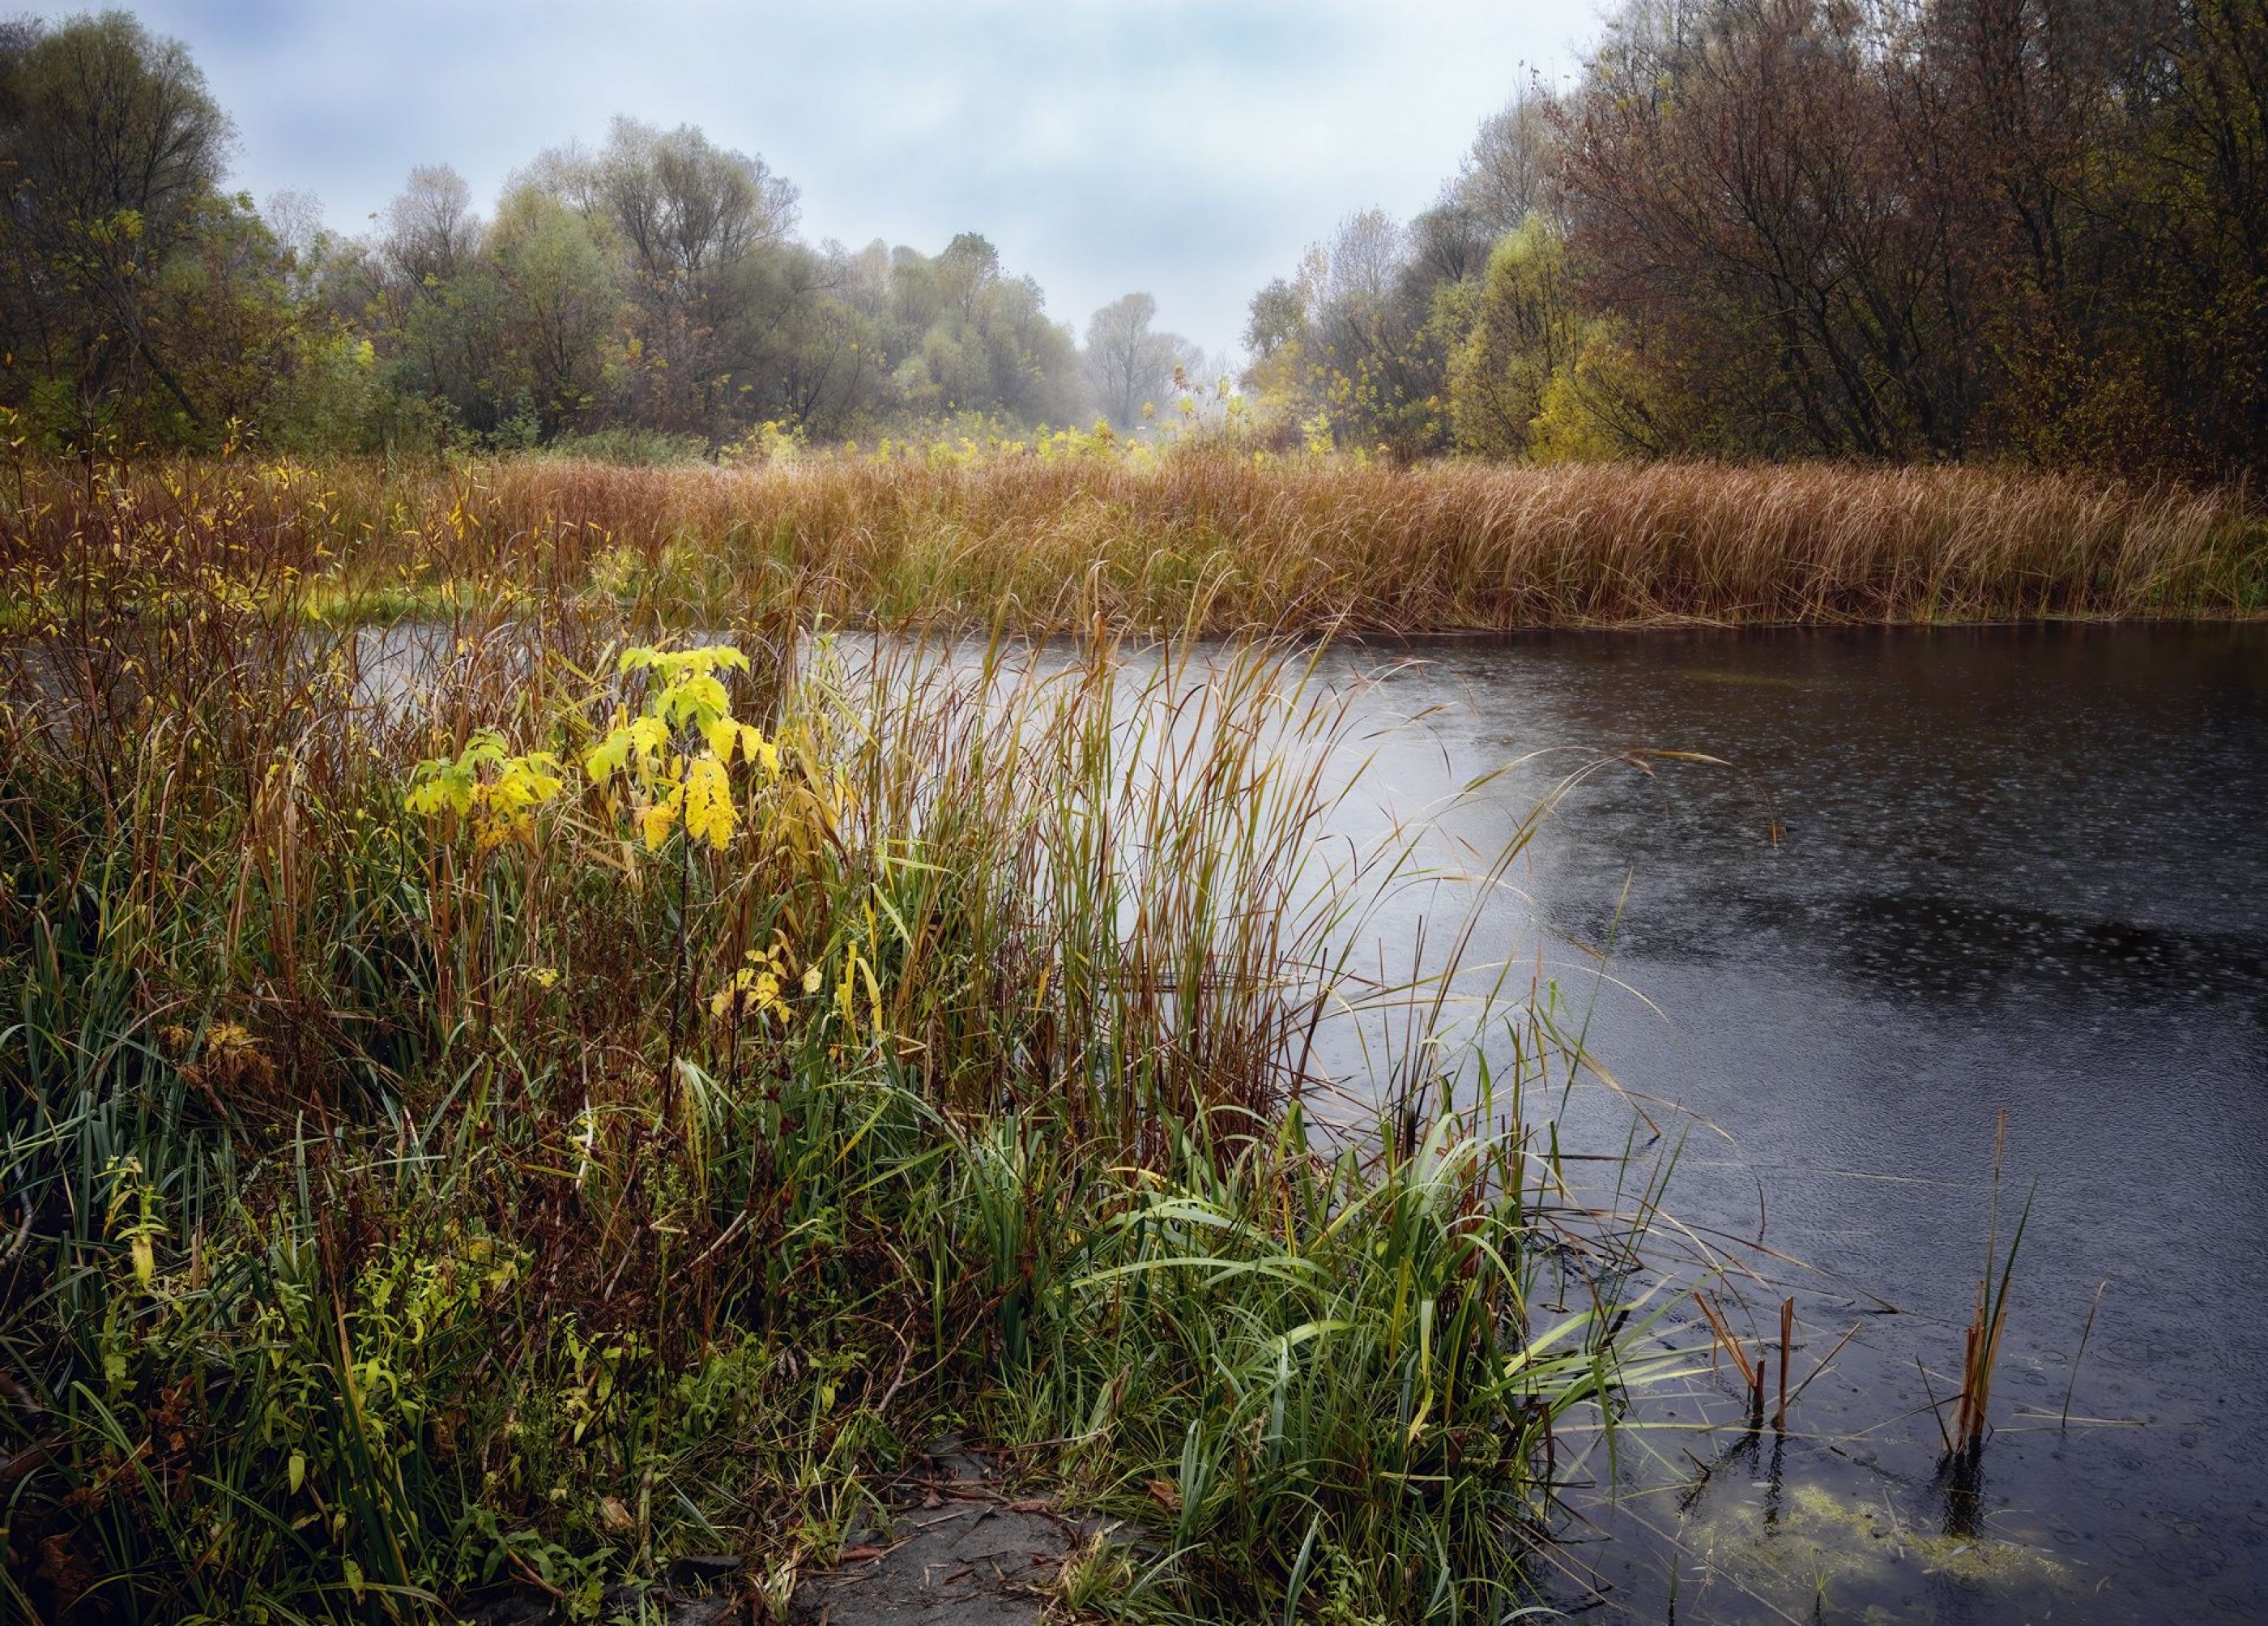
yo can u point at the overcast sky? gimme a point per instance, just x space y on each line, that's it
1188 148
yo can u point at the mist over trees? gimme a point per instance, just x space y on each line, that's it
1894 229
658 286
1131 365
653 292
1881 229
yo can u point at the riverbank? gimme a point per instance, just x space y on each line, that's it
440 1161
1187 542
568 1107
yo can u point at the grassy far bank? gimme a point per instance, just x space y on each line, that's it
1190 541
574 1111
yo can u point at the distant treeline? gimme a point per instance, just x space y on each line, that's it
646 296
1898 229
1905 230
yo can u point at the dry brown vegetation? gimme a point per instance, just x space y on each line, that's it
1213 542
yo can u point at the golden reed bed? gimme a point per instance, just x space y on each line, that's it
1205 542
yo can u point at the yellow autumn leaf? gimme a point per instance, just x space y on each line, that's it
656 820
724 735
708 796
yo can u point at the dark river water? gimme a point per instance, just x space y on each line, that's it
1945 873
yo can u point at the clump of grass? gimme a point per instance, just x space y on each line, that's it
1981 1340
481 1111
1195 540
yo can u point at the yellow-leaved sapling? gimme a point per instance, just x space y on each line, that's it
673 758
675 754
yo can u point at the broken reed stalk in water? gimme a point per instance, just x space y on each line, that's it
1752 1371
1786 1345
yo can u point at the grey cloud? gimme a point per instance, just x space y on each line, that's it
1192 149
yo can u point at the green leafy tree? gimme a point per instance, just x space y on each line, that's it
559 272
111 154
1524 329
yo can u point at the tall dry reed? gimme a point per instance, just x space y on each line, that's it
1205 542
